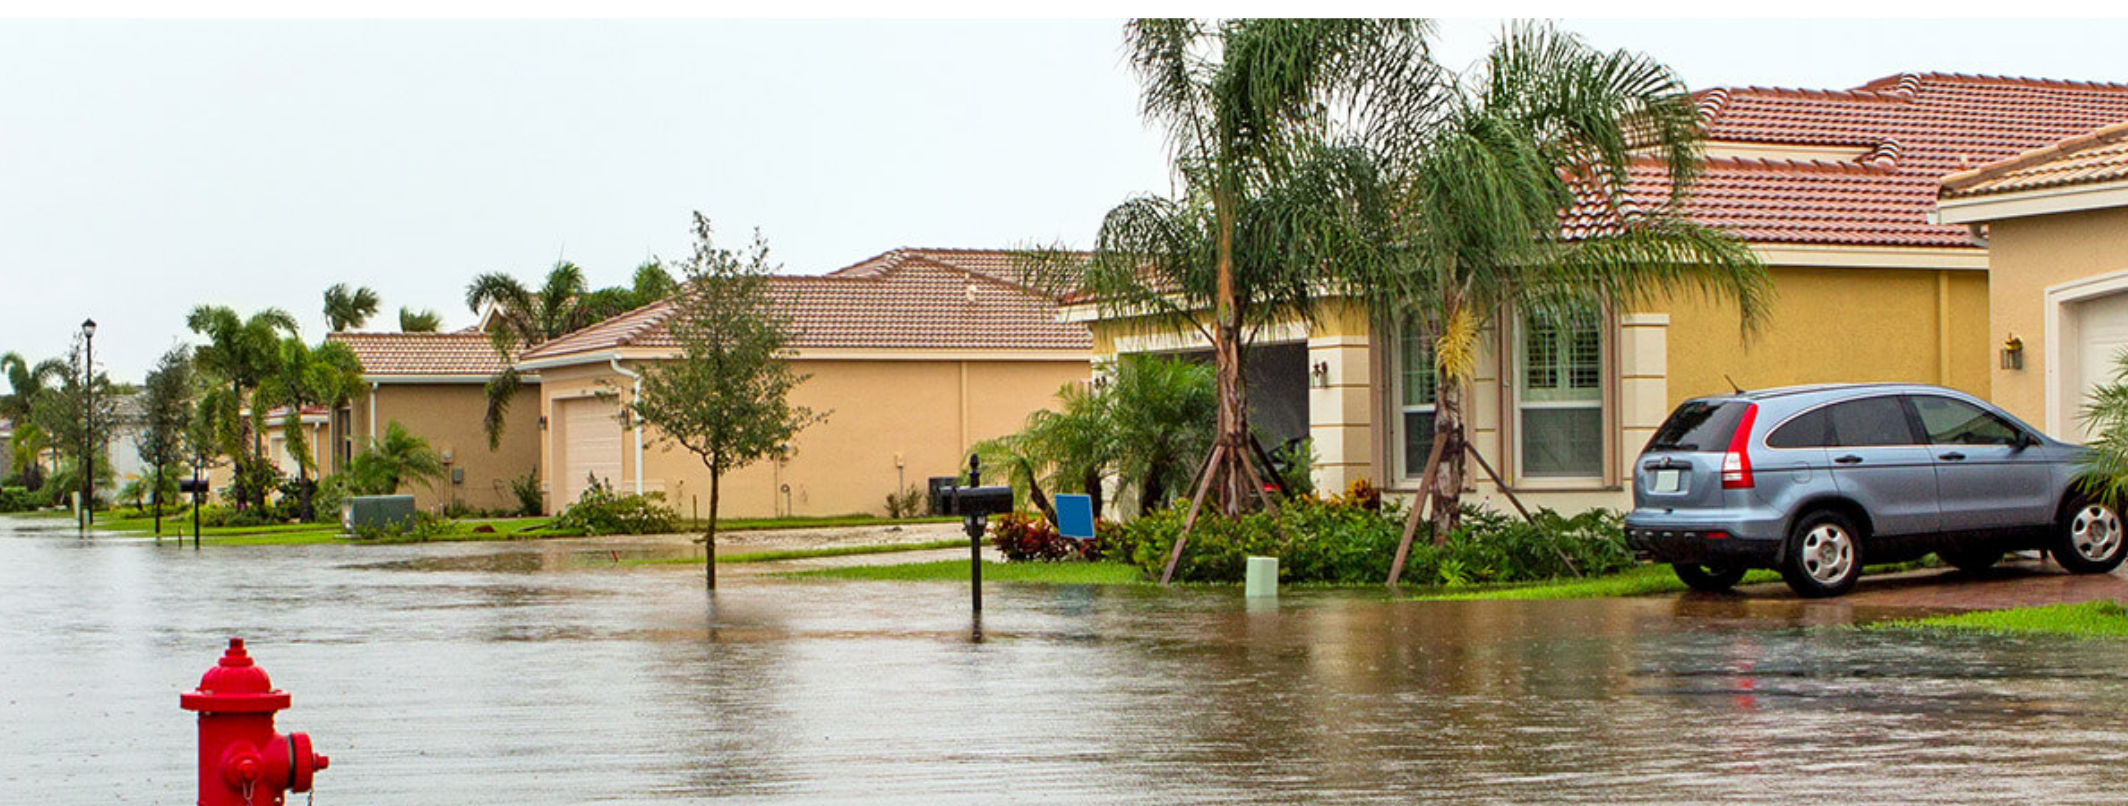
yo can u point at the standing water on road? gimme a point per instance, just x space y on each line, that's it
529 673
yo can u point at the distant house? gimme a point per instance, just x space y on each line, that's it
2055 219
1832 189
434 385
918 354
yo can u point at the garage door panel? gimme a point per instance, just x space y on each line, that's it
591 445
2102 336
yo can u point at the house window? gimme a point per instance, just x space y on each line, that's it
1559 395
1415 392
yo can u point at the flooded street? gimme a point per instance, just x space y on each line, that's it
530 673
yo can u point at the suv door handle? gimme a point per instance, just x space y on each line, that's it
1953 456
1848 459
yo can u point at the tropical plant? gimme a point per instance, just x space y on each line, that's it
2102 468
422 321
526 490
1464 199
394 460
239 354
524 318
26 383
76 418
1244 241
650 283
326 376
348 310
166 408
726 396
1145 424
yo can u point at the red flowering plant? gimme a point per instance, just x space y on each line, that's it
1029 537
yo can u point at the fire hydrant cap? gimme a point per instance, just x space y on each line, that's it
236 685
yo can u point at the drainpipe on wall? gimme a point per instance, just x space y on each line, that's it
633 425
372 413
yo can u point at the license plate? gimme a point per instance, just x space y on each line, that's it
1668 480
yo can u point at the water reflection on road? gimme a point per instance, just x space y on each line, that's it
523 673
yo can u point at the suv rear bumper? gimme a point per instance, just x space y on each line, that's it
1662 537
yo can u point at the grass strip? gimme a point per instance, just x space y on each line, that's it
804 554
1061 573
2101 619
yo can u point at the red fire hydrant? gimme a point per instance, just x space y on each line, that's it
242 761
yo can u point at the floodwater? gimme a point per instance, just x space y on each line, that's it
534 674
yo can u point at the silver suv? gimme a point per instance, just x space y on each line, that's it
1816 480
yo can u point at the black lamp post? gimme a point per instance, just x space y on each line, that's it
88 423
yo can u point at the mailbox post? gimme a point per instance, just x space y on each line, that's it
975 503
198 488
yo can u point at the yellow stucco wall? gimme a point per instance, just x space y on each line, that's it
449 415
1838 325
2026 256
923 412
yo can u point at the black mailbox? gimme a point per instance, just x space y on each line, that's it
940 488
192 486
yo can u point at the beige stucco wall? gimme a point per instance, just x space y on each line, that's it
449 415
889 422
2026 257
1838 325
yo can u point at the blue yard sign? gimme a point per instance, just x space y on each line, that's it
1075 516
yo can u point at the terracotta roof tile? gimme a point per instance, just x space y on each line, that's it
2090 158
386 354
1915 128
899 300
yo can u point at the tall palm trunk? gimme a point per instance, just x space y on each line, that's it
1446 487
1232 472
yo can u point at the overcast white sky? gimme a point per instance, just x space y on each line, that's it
146 167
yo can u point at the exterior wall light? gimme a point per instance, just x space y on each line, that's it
1321 373
2013 353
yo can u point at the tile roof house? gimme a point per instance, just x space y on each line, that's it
434 385
917 354
1833 190
2056 223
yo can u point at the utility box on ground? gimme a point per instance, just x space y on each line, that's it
383 512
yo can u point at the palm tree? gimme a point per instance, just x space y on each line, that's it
1243 103
393 460
239 354
348 310
26 384
1473 199
327 375
422 321
1159 413
523 319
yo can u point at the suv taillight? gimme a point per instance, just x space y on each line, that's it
1736 464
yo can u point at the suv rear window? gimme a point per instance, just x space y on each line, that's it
1699 425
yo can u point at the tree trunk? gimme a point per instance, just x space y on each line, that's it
1232 486
1092 482
1150 493
1447 482
158 503
709 533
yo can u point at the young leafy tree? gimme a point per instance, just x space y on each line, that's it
1471 204
349 310
725 398
328 376
525 318
422 321
166 411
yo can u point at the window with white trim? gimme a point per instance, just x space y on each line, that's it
1559 395
1415 394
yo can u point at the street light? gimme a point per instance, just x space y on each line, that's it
88 423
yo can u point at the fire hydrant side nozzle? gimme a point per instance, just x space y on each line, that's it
242 761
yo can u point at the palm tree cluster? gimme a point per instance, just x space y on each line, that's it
1335 162
520 317
1143 425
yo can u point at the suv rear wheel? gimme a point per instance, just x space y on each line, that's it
1708 578
2088 540
1823 555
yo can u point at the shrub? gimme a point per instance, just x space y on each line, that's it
421 527
602 512
1342 543
526 489
1029 537
908 503
221 515
19 499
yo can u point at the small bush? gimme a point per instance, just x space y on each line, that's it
220 515
1342 543
908 503
602 512
1029 537
421 527
525 489
19 499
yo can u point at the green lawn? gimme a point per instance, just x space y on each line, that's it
300 534
2103 619
1065 573
805 554
803 522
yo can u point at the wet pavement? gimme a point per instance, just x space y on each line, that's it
532 673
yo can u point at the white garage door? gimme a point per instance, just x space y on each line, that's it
2102 336
591 445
